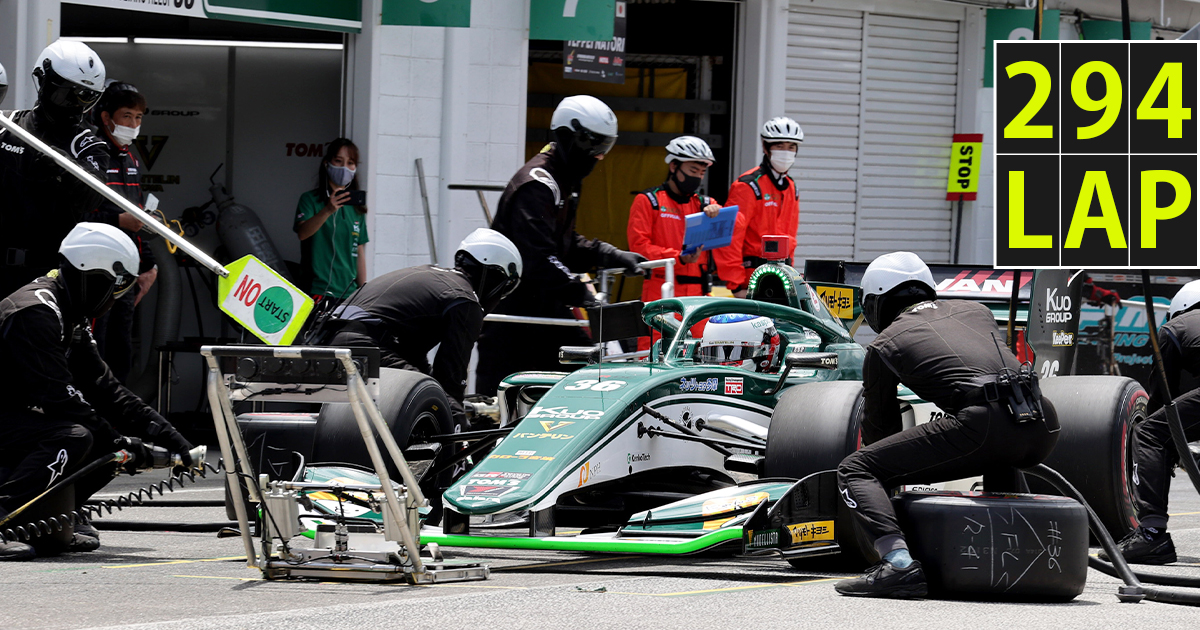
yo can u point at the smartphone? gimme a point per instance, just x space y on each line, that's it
357 198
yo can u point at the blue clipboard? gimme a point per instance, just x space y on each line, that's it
709 232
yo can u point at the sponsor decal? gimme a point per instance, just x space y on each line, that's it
733 386
12 148
769 538
543 436
604 60
526 452
839 301
594 385
803 533
925 305
533 457
693 385
306 149
637 457
588 471
484 490
495 474
563 414
150 148
1058 307
851 503
725 505
57 466
1062 339
550 425
175 113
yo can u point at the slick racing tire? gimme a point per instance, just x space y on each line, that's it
414 406
813 428
1095 446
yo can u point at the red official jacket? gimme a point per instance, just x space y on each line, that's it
656 229
764 208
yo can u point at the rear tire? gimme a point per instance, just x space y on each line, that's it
414 406
1095 449
813 428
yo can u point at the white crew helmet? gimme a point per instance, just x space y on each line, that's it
899 275
69 78
1187 297
101 265
591 124
492 263
750 342
781 129
689 149
3 83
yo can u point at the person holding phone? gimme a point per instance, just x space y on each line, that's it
331 223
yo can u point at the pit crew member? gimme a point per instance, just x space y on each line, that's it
768 203
41 201
537 212
1154 453
657 221
61 406
948 353
406 313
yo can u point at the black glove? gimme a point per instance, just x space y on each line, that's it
176 443
140 455
628 260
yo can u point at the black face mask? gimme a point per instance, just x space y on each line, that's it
686 184
580 159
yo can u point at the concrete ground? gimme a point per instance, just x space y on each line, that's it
196 581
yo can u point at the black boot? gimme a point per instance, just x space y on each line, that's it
885 580
1145 545
14 550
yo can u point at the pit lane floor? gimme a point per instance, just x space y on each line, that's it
196 581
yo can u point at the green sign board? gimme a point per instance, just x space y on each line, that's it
564 20
1013 24
1108 29
262 301
328 15
427 13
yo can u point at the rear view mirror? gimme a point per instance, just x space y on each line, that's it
579 354
812 360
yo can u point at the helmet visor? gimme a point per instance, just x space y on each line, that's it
66 95
727 354
594 143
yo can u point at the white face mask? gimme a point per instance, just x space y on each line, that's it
125 135
339 175
781 161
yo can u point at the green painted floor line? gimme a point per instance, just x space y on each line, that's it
626 545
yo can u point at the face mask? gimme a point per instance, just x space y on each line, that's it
125 135
339 175
781 161
687 184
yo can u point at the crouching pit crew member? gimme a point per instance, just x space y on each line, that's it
948 353
1154 452
407 312
60 406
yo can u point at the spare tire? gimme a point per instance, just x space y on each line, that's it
1095 450
813 428
413 405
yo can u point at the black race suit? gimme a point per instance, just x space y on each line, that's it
936 348
537 212
1154 452
114 330
406 313
39 201
60 407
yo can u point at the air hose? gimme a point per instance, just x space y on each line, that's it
1133 590
27 531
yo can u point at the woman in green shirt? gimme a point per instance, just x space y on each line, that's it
333 235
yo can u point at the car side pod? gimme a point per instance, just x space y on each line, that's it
982 545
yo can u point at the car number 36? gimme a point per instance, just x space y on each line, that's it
594 385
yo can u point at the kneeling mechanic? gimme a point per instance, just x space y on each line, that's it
61 407
948 353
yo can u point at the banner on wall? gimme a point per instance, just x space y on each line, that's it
571 20
598 61
1108 29
454 13
316 14
1006 24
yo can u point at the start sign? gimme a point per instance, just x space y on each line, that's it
263 301
965 152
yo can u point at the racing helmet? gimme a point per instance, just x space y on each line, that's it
584 129
781 129
893 282
99 265
1187 298
492 263
689 149
3 83
750 342
69 78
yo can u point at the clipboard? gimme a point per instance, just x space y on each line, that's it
709 232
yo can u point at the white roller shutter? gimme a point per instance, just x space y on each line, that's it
824 77
909 97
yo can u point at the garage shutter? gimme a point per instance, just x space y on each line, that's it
909 94
824 76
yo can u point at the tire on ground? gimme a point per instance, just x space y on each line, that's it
414 407
813 428
1094 450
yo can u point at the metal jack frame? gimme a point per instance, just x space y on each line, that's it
381 560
